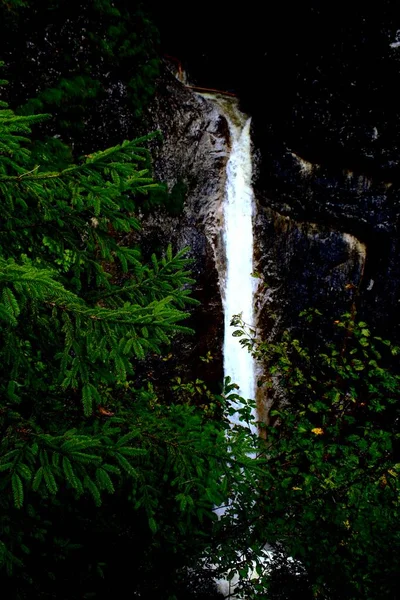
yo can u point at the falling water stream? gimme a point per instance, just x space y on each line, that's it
239 283
238 286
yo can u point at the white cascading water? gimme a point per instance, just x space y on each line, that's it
239 285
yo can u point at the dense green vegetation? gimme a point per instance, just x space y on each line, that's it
102 476
331 483
79 311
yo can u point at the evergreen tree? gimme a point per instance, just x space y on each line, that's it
79 313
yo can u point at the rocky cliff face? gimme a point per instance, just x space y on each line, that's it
326 236
193 152
325 233
321 86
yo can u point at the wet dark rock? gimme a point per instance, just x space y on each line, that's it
340 204
304 265
320 84
193 150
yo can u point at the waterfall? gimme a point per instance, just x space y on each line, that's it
235 261
235 265
239 284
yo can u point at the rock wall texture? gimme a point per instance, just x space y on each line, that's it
193 150
324 233
321 85
326 237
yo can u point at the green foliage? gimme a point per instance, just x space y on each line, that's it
172 201
79 314
176 198
330 496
